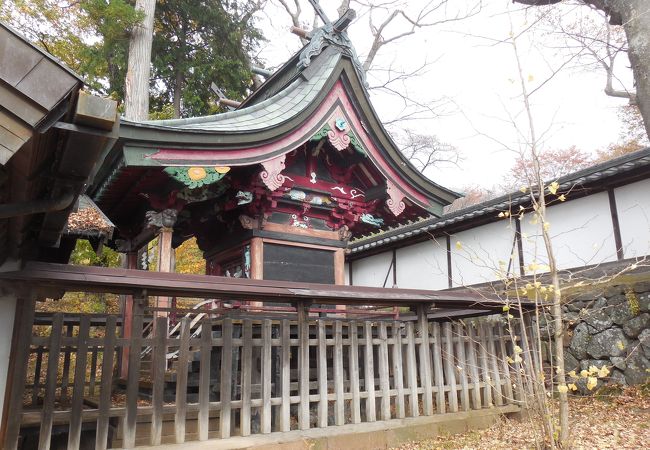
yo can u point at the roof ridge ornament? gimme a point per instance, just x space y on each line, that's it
331 35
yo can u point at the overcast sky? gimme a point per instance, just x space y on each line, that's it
474 84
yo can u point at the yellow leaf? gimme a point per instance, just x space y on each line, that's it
562 198
603 372
547 226
524 189
584 373
572 374
518 349
573 387
459 245
592 382
530 78
506 308
553 187
501 214
518 359
509 360
620 345
593 370
563 388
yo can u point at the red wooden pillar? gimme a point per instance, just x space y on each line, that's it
339 272
257 263
165 264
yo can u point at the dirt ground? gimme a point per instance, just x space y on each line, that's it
611 419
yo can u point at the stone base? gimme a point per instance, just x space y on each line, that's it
373 435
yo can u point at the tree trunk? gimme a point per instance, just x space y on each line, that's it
178 91
136 102
636 22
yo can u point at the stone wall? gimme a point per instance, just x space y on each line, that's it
609 328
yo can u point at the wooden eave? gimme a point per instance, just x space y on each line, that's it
46 277
138 141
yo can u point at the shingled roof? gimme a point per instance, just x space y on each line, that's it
634 166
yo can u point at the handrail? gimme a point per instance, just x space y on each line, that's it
176 328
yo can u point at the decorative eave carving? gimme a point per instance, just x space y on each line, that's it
162 219
271 175
337 135
395 200
194 177
344 233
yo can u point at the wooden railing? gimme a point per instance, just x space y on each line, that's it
242 376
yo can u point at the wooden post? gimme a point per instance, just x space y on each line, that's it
65 376
450 374
473 362
369 372
285 409
133 378
462 365
159 362
165 264
257 263
487 379
131 262
354 372
266 377
322 375
246 372
339 404
226 379
302 308
411 371
437 370
384 382
45 433
493 361
106 384
398 377
18 362
510 398
204 379
74 434
339 272
425 359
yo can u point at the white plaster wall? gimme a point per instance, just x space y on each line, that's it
423 265
581 231
7 314
346 269
483 254
372 271
633 206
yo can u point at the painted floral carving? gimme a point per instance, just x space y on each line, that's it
195 177
271 175
395 198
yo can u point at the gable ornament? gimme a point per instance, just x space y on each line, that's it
395 200
271 175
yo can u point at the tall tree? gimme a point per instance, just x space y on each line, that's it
634 17
89 36
136 99
198 43
548 165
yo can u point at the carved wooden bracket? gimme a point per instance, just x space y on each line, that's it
271 175
395 198
338 134
162 219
